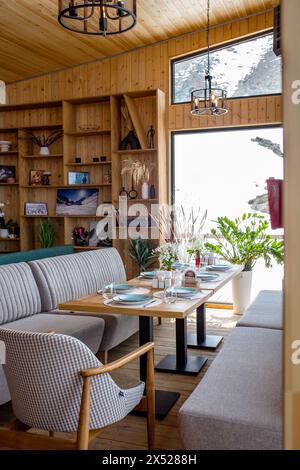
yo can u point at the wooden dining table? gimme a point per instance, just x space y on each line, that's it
181 362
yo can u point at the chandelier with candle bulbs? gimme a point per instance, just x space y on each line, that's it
97 17
210 100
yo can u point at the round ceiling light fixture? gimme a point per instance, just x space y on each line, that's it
97 17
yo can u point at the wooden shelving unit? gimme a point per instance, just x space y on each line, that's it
93 127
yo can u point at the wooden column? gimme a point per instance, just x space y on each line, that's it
291 47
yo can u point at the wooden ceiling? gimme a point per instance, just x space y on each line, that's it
33 43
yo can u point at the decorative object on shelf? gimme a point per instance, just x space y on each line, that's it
103 158
130 141
244 241
89 128
107 177
143 176
77 159
145 190
13 229
77 202
36 209
7 174
36 177
80 236
209 101
44 141
152 192
46 178
5 145
133 194
142 253
167 255
109 16
96 160
3 227
46 234
78 177
151 137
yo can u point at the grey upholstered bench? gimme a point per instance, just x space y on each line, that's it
238 404
70 277
265 312
21 310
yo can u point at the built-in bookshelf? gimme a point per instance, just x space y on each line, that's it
93 129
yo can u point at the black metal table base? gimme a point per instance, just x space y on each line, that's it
164 402
210 341
193 365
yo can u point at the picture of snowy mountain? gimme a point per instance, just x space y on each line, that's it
77 202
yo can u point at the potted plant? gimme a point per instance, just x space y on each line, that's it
3 227
142 253
244 241
46 234
44 141
167 255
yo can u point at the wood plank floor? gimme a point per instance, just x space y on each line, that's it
130 434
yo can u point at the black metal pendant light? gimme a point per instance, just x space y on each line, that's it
97 17
209 101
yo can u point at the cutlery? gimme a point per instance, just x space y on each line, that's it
150 302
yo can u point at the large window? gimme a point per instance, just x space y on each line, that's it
225 171
247 68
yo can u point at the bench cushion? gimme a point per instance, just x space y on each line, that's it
238 404
73 276
19 293
118 328
265 312
89 330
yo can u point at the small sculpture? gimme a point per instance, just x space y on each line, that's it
151 137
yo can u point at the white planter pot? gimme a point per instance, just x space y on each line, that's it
4 233
145 190
44 151
241 292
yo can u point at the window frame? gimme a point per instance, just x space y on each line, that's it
224 45
206 131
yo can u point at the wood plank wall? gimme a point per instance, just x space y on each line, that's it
149 68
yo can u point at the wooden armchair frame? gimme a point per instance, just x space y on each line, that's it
15 436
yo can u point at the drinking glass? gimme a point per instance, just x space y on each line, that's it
109 291
170 295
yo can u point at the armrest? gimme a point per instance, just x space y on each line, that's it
118 363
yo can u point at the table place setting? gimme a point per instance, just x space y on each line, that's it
133 301
174 294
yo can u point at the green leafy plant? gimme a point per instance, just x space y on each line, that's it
141 252
244 241
46 234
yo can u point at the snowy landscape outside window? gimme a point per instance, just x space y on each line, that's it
248 68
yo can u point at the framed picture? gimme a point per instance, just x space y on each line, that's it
78 177
36 208
7 173
78 202
36 177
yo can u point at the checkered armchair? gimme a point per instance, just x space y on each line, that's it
57 384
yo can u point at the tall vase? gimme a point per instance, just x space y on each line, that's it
145 190
241 292
44 151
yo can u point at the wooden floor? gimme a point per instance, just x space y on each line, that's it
130 434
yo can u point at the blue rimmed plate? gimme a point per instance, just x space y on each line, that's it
133 299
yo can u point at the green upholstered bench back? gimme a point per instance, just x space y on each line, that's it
26 256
